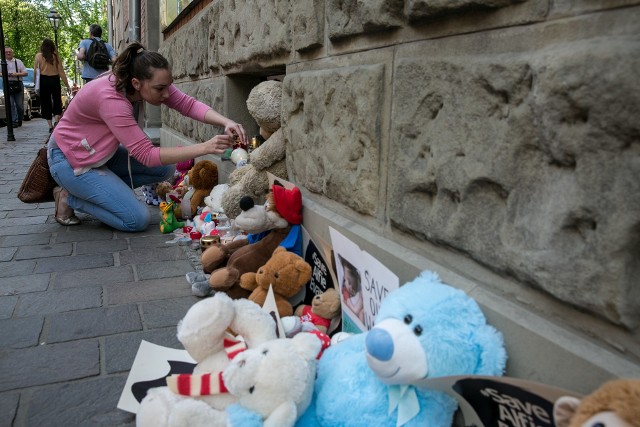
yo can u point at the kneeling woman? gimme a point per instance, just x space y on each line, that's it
98 153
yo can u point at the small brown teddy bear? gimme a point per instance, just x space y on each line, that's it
616 403
200 180
286 272
323 309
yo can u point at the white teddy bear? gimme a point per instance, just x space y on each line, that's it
202 332
273 383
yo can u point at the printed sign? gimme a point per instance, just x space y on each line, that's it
500 401
363 283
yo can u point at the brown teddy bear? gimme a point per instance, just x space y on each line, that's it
197 185
323 309
276 223
286 272
615 403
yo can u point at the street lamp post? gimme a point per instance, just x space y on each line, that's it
54 19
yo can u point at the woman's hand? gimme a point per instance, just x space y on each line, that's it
234 129
218 144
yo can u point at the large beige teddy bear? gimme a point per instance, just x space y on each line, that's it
204 333
263 103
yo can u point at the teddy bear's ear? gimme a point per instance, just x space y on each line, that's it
563 410
493 356
307 345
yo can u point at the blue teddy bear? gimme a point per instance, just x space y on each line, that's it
424 329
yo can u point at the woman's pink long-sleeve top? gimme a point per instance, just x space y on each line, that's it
100 118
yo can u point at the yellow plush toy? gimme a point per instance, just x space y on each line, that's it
615 404
286 272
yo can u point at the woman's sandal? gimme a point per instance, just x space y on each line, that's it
62 219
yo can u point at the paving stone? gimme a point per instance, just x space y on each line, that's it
162 269
22 221
147 290
101 246
24 284
21 332
120 350
6 254
38 228
91 403
70 263
138 256
93 277
166 312
16 268
8 408
56 301
91 323
146 242
44 251
26 239
49 364
7 306
86 233
21 213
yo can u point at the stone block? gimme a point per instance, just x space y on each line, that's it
49 364
331 121
351 17
6 254
253 29
8 408
87 233
101 246
120 350
307 24
69 263
44 251
93 277
20 332
24 284
7 306
137 256
166 312
506 153
26 239
91 323
163 269
56 301
423 9
16 268
147 290
81 403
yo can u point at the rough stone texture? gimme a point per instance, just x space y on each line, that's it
307 21
93 323
24 284
48 265
8 408
253 30
87 404
146 290
20 333
329 151
58 300
49 364
43 251
351 17
529 164
120 350
93 277
211 93
419 9
163 313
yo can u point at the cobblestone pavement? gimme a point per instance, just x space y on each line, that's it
75 302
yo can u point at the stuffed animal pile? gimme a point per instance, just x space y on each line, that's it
252 180
276 223
424 329
268 384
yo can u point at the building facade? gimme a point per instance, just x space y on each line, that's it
492 141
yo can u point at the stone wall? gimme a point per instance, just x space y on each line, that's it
493 141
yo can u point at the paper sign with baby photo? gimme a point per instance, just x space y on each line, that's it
500 401
363 283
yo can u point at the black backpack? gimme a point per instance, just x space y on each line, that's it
98 55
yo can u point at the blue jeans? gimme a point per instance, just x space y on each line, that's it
17 106
105 192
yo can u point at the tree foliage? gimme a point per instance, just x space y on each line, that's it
25 24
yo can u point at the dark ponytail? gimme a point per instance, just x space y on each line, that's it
136 62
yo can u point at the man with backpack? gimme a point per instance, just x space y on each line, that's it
96 54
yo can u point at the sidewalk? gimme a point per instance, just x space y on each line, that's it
75 302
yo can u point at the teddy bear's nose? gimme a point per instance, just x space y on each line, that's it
276 274
246 203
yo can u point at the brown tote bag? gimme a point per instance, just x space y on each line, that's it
38 184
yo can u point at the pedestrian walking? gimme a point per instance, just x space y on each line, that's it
91 69
15 71
98 154
47 63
